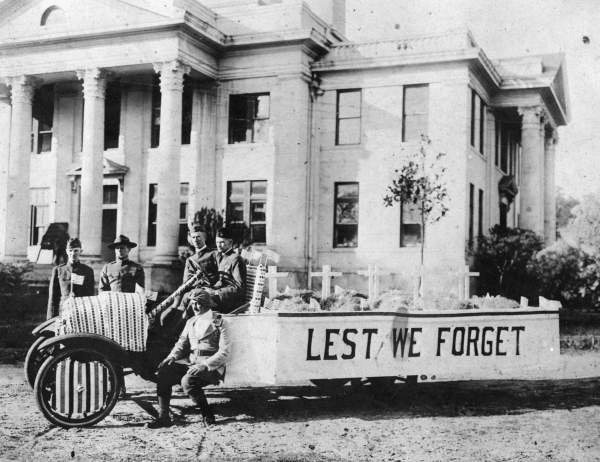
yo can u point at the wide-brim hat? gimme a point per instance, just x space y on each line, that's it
122 240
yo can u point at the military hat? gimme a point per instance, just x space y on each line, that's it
122 240
202 297
74 243
225 233
197 228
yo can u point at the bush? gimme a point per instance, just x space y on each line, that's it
568 274
503 260
12 277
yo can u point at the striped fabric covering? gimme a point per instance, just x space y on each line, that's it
119 316
81 387
255 282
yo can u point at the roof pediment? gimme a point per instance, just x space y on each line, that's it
31 18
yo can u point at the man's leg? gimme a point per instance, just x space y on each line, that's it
193 386
167 377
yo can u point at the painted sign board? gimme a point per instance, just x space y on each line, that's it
282 348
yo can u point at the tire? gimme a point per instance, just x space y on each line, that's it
330 385
98 394
34 359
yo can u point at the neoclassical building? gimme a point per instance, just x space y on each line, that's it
125 116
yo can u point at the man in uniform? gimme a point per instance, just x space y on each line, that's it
122 275
231 286
72 278
197 359
203 259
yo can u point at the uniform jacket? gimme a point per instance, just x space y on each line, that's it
60 285
205 340
121 276
202 261
231 285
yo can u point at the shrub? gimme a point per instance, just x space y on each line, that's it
503 260
568 274
12 277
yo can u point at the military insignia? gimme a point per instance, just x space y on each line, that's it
217 320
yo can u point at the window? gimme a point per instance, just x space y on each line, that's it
471 212
415 112
347 124
480 214
249 118
112 115
247 208
410 225
186 112
345 226
153 209
477 122
39 214
110 194
507 148
43 116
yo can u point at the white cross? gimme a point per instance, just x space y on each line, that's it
372 274
464 282
272 275
327 276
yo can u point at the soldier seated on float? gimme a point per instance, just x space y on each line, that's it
122 274
224 271
197 359
71 279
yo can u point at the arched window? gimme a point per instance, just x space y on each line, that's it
53 16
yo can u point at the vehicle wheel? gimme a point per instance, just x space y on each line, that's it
35 358
78 387
330 386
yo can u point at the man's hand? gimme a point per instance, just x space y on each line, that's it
166 362
197 369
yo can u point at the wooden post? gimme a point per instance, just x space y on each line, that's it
464 282
372 274
327 276
272 275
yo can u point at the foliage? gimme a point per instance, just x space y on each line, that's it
12 277
564 210
568 274
503 260
418 181
584 229
211 220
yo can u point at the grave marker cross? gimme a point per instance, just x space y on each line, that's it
272 275
327 276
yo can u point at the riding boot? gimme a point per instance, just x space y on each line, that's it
164 420
199 399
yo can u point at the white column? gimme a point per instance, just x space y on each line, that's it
5 110
550 189
167 215
17 213
532 168
94 88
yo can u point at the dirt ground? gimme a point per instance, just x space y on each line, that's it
547 420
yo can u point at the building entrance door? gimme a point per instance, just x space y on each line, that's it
109 219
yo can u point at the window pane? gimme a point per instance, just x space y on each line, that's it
183 231
262 107
416 99
347 191
258 233
236 212
257 212
237 189
44 142
349 104
414 127
110 194
346 236
183 211
349 131
258 187
410 234
237 107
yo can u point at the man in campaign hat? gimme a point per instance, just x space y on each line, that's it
122 274
71 279
197 359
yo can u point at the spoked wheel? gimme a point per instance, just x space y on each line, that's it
35 358
78 387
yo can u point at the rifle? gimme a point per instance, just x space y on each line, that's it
198 278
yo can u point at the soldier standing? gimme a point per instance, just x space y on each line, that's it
229 289
72 278
121 275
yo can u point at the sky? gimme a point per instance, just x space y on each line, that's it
515 28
